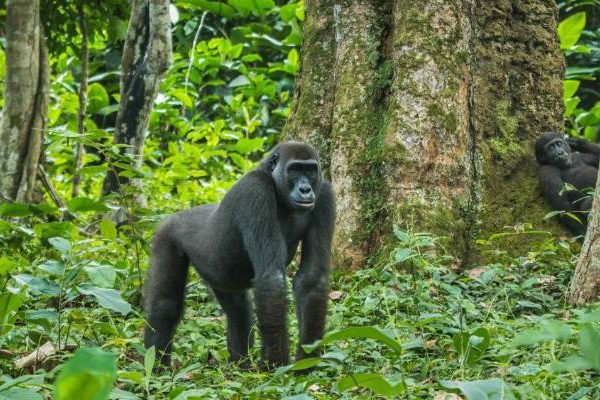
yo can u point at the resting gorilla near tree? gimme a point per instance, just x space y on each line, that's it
248 240
559 165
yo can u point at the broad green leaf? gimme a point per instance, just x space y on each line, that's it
471 345
571 364
108 229
489 389
107 298
89 375
550 330
247 146
305 363
149 358
14 210
101 275
60 244
97 98
214 7
9 303
52 267
589 340
359 332
570 87
240 80
401 255
38 285
83 204
570 29
375 382
20 394
52 229
6 265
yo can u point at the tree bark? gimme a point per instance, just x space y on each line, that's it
25 101
83 87
425 114
146 57
585 285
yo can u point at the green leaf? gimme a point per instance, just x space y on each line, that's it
214 7
101 275
570 29
375 382
240 80
489 389
359 332
14 210
60 244
38 285
83 204
471 345
52 229
247 146
108 229
570 87
401 255
9 303
97 98
20 394
305 363
550 330
52 267
6 265
571 364
89 375
589 338
107 298
149 358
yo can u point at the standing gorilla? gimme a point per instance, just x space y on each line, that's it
559 165
248 240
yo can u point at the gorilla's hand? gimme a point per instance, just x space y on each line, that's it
577 144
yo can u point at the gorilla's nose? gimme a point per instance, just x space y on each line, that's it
305 190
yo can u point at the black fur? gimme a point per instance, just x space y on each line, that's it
247 241
573 161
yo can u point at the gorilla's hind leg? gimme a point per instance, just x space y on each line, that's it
239 322
165 292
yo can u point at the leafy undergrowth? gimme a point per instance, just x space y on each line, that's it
411 326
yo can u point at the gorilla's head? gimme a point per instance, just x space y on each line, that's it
552 148
296 172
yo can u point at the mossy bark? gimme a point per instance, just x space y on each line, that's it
585 285
25 101
146 58
425 112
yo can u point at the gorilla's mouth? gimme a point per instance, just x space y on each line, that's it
304 204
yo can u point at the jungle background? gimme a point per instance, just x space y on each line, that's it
409 320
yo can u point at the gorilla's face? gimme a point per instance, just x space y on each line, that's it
297 181
558 152
303 179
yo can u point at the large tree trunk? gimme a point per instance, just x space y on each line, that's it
146 57
25 101
425 113
585 285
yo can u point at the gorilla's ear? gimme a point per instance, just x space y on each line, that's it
273 160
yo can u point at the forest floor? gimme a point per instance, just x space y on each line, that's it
426 330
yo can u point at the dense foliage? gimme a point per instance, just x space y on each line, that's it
410 326
579 33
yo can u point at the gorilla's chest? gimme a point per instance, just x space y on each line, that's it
293 228
580 175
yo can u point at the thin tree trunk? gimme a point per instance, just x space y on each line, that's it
83 86
426 113
25 100
146 57
585 285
